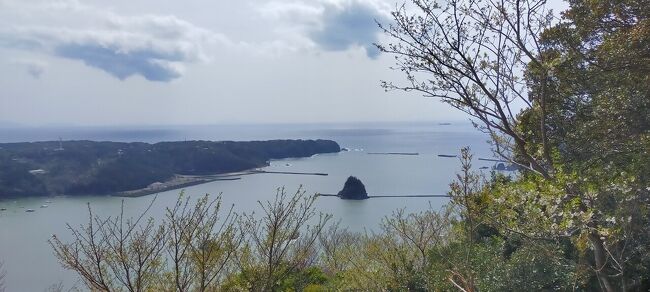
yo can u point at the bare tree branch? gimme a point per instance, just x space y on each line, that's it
472 55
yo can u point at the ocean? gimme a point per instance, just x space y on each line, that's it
31 266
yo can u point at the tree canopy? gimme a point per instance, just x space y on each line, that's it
565 98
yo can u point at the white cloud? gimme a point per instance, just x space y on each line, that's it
248 61
158 47
154 46
330 25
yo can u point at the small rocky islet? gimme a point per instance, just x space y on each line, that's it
353 189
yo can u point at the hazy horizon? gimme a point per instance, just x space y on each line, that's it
9 124
98 63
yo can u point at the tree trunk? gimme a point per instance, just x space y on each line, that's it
600 259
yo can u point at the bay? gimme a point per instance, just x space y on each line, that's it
31 266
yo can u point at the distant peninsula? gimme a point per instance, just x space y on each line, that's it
89 167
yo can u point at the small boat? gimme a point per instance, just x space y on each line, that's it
44 206
3 209
48 202
30 210
287 164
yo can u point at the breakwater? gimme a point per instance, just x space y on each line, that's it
393 153
493 160
289 172
393 196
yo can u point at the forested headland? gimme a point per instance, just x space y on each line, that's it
88 167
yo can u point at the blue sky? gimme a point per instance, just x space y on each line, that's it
199 62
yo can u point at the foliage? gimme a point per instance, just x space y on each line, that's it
119 253
114 254
16 179
282 243
565 99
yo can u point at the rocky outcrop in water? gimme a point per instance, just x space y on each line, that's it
353 189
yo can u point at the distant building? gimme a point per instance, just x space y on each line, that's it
156 185
60 145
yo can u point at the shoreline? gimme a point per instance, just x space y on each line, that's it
183 181
175 186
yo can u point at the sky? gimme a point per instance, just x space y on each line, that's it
125 62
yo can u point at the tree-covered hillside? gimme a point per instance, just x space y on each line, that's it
87 167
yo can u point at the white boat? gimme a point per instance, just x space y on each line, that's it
44 206
30 210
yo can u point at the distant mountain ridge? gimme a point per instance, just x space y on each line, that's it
88 167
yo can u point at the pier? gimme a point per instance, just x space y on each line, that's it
393 153
493 160
393 196
289 172
410 196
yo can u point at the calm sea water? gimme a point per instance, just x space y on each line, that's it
31 266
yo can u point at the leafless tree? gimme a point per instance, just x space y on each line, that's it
200 243
283 240
114 254
418 233
189 251
472 54
334 242
58 287
464 191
